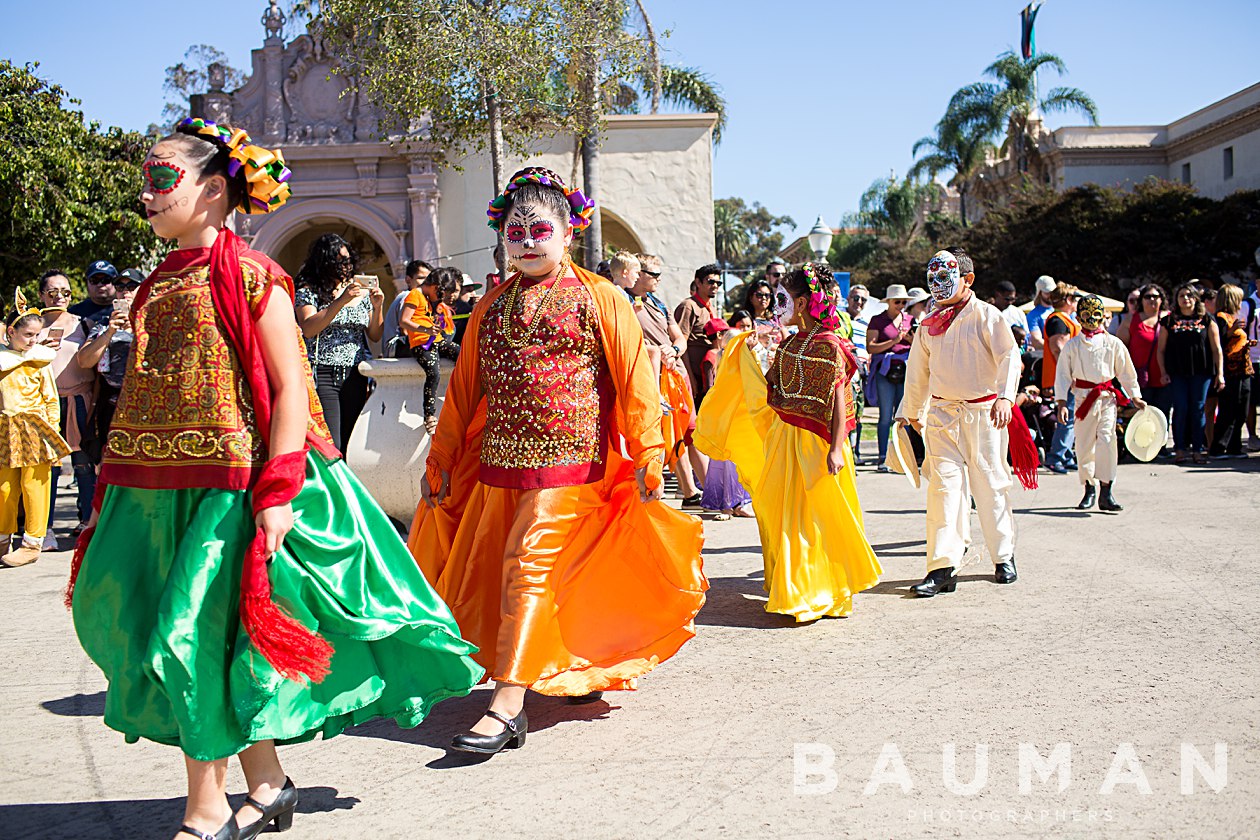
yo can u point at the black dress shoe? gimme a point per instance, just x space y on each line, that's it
583 699
512 736
1108 502
1087 501
937 580
229 831
692 503
279 812
1005 572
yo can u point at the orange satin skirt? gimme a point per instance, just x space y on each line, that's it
565 590
676 391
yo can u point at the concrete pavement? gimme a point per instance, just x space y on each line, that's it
1126 637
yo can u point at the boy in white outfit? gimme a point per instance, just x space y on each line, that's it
961 381
1087 365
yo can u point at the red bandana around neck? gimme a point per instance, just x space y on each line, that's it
940 320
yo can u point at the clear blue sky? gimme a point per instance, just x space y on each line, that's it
824 96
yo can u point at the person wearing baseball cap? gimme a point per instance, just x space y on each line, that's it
100 276
1036 317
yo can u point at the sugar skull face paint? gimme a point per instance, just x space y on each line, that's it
531 239
943 277
1090 313
162 178
784 305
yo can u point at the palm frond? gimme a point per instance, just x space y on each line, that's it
687 87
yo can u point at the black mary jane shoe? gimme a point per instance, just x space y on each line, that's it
937 580
583 699
1005 572
1087 501
512 736
692 503
279 812
229 831
1108 502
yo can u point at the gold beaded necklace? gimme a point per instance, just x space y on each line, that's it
509 306
799 393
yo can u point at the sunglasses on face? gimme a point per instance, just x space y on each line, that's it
859 299
777 276
764 295
651 273
710 282
58 293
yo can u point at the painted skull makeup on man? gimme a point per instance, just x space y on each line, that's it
530 237
943 277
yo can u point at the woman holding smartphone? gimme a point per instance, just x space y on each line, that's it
338 316
64 333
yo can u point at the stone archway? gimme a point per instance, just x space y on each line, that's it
287 236
618 235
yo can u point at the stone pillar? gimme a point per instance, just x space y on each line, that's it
273 92
424 195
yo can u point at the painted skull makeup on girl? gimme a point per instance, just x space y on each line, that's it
943 276
162 178
532 240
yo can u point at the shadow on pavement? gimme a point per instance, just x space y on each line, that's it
902 587
456 715
733 549
77 705
132 817
740 602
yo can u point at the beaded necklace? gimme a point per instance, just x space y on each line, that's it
799 366
509 306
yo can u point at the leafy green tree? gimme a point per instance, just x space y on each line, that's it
1009 102
894 208
69 191
760 231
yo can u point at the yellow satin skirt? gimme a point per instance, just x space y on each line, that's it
565 590
813 542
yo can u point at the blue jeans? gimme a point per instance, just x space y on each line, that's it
1189 394
84 468
889 400
1064 438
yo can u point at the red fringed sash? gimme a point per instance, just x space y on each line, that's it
1097 389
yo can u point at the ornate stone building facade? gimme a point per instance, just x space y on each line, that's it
391 198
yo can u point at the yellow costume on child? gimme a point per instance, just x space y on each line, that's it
813 541
29 442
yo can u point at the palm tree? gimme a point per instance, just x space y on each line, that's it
893 207
957 147
1011 101
729 234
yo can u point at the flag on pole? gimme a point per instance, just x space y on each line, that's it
1028 37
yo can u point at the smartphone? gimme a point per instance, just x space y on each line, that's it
123 306
367 281
55 334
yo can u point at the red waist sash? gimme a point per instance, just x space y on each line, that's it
1096 389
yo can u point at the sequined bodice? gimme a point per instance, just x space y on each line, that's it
803 385
546 401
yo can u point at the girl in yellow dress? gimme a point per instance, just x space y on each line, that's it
29 443
787 432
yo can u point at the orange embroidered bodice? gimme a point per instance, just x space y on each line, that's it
547 402
803 380
186 415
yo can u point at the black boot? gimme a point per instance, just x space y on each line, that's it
1087 501
937 580
1108 502
1005 572
512 736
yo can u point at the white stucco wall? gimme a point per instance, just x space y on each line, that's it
656 177
1207 168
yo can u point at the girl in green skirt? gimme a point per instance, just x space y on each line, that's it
239 588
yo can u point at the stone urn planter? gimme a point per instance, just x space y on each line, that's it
389 445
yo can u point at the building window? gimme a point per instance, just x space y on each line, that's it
1185 173
1229 163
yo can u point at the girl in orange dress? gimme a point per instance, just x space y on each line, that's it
550 545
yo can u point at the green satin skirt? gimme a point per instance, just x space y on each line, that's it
155 606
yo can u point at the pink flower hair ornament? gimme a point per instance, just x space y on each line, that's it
581 208
822 306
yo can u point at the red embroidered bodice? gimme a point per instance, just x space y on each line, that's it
547 403
802 383
186 416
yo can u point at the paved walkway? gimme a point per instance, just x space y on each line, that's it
1126 637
